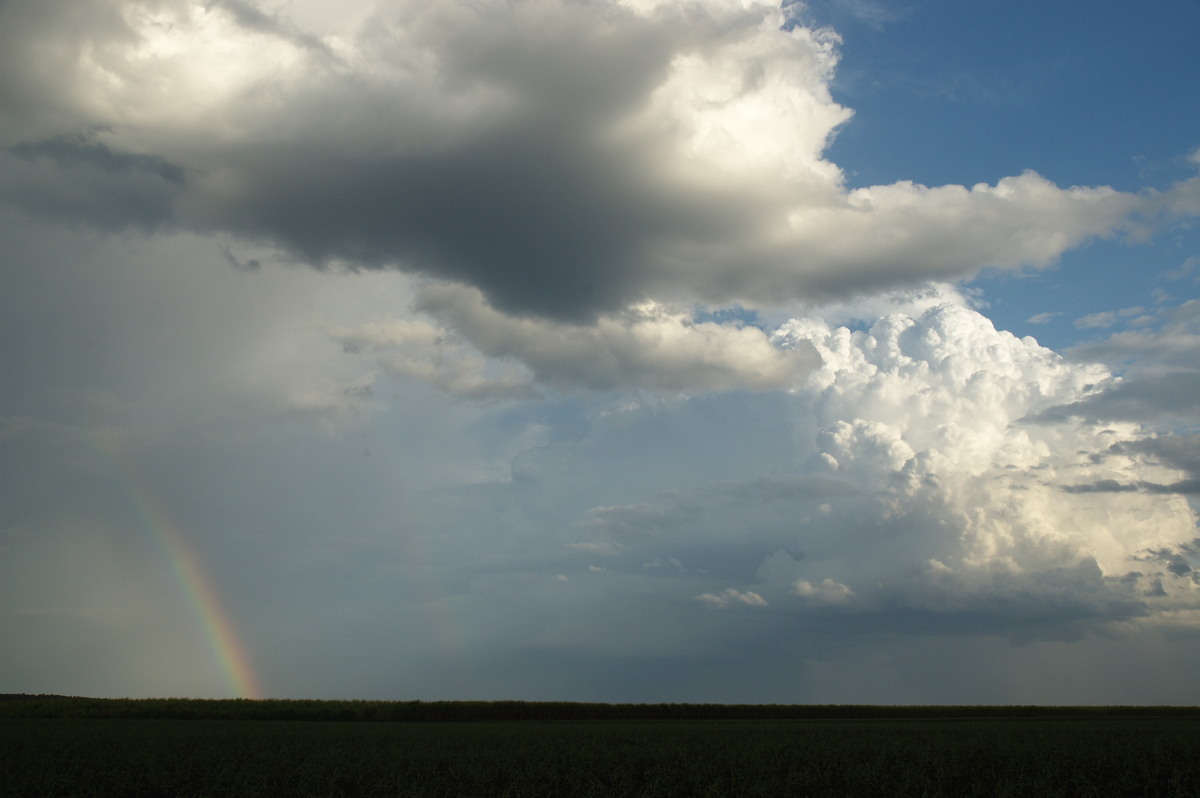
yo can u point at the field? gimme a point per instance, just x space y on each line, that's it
81 747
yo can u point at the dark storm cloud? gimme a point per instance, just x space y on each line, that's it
530 196
505 215
528 203
80 179
82 151
248 265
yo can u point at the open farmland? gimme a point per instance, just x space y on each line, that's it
83 747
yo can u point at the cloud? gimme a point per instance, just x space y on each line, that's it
875 14
252 18
79 179
1172 395
921 500
646 346
1160 376
1111 318
1105 319
570 161
1179 452
579 196
1174 451
1184 269
437 356
1174 343
731 596
82 151
829 590
248 265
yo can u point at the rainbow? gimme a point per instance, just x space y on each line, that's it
187 570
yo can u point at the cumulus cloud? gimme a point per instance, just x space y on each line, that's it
931 408
921 492
567 160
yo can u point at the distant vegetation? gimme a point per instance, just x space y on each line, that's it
55 706
56 746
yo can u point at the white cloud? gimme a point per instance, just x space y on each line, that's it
829 590
730 596
1111 318
921 488
904 232
1185 269
1094 320
932 409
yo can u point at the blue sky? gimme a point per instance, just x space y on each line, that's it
1083 93
613 351
967 92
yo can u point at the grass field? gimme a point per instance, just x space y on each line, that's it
1073 752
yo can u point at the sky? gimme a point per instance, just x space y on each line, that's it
844 351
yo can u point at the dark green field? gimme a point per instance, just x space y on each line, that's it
81 747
